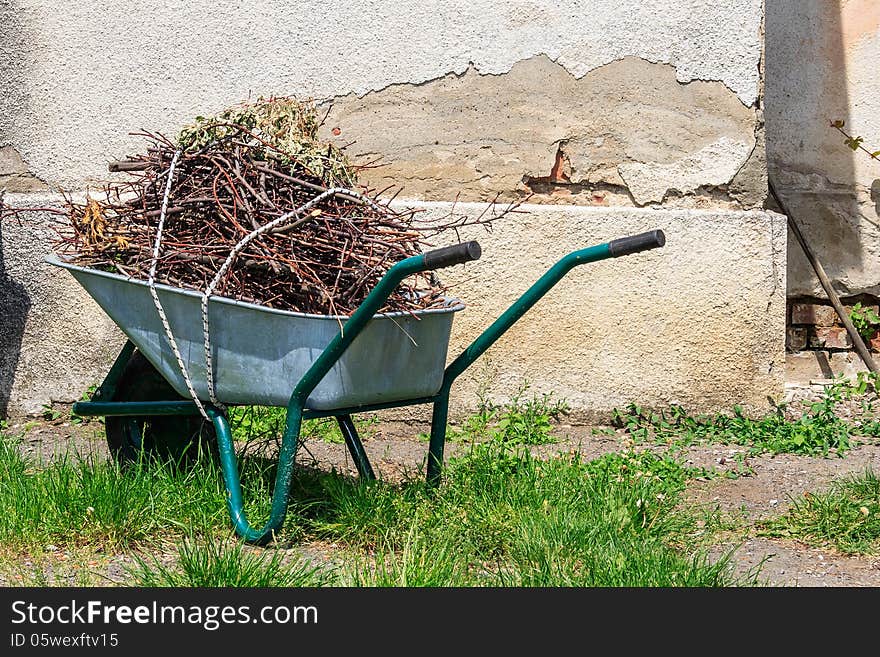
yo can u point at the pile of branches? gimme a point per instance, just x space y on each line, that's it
234 173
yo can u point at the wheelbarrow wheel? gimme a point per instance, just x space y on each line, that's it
179 439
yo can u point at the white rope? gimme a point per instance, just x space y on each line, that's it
209 291
275 223
152 285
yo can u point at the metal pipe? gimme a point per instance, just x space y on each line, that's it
145 408
355 446
854 335
613 249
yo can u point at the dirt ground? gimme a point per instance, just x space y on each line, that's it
765 489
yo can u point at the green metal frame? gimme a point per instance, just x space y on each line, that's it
325 361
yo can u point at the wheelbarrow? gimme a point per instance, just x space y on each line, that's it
316 366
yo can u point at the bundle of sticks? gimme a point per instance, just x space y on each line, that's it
240 170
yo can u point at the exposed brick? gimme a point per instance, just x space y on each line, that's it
814 314
795 338
830 337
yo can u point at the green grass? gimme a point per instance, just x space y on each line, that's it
845 517
84 501
207 562
501 516
505 518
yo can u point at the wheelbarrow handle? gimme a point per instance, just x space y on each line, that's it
636 243
452 255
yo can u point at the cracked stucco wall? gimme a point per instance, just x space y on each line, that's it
822 66
601 103
78 80
695 322
626 133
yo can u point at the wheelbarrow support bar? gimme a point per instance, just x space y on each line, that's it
619 247
445 257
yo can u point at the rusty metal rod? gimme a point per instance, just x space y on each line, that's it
857 341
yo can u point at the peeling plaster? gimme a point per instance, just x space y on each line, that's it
69 106
715 164
629 123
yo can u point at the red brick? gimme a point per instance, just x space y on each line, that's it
833 337
814 314
872 307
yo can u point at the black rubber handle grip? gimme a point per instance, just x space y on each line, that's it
636 243
452 255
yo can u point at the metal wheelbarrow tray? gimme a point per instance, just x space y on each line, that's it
311 365
260 353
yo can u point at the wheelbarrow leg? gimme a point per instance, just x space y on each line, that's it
107 389
232 479
438 438
355 447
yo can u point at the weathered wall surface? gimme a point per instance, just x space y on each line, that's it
68 105
602 103
821 65
54 340
695 322
625 133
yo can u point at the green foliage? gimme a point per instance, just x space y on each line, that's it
854 142
86 396
523 421
816 432
252 423
846 516
865 320
263 423
280 128
50 413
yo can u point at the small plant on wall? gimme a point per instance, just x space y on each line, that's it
853 141
865 320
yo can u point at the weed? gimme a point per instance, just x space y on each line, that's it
264 423
86 396
49 413
865 320
520 420
846 516
816 432
529 422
